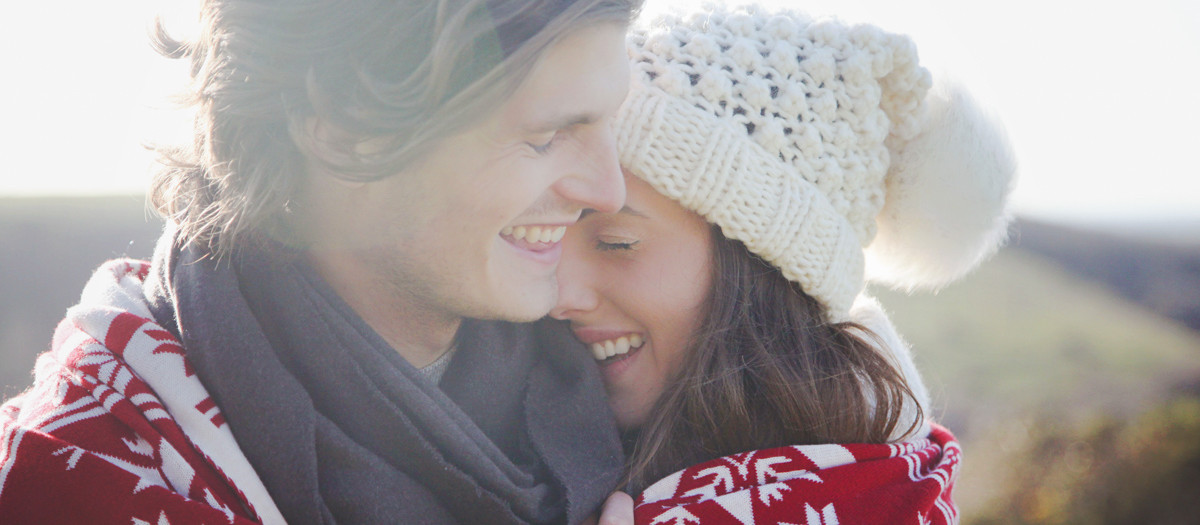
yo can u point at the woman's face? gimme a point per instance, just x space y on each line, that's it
632 284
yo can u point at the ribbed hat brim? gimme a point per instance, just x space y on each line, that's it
734 183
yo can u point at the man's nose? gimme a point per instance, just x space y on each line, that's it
596 181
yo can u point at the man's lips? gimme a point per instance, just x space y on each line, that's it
540 242
534 234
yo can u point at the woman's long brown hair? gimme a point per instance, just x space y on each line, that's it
766 369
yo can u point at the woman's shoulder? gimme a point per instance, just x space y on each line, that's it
853 483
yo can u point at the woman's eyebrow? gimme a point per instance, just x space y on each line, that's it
630 211
624 210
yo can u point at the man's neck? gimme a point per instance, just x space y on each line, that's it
419 334
419 339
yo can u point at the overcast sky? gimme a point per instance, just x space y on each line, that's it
1099 97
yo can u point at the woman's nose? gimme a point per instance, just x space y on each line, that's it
575 293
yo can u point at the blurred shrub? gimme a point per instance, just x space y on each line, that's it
1109 472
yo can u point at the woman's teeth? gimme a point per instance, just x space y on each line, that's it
614 347
535 233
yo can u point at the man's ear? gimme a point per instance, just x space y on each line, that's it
323 144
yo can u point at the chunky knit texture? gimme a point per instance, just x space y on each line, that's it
781 129
825 484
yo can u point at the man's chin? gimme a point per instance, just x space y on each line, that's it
522 309
522 318
527 313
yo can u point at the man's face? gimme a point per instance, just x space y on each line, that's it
473 229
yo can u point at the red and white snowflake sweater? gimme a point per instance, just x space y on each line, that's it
117 428
907 481
903 483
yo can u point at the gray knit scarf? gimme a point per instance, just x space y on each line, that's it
341 429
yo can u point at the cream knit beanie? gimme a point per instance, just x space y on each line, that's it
820 146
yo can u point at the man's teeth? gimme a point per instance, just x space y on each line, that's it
535 233
614 347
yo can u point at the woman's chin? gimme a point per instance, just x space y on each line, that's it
629 418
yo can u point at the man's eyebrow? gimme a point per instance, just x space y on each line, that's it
624 210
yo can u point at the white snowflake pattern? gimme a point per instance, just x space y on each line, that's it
212 502
73 459
827 516
162 520
140 446
721 476
771 493
675 516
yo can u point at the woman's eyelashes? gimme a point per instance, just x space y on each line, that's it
606 246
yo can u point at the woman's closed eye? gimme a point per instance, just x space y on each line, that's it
612 245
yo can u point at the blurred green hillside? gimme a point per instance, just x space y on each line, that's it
1021 335
1022 351
1065 365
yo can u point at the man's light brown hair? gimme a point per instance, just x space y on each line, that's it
397 75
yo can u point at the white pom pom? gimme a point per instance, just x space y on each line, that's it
945 209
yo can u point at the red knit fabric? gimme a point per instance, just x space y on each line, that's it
93 442
906 483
